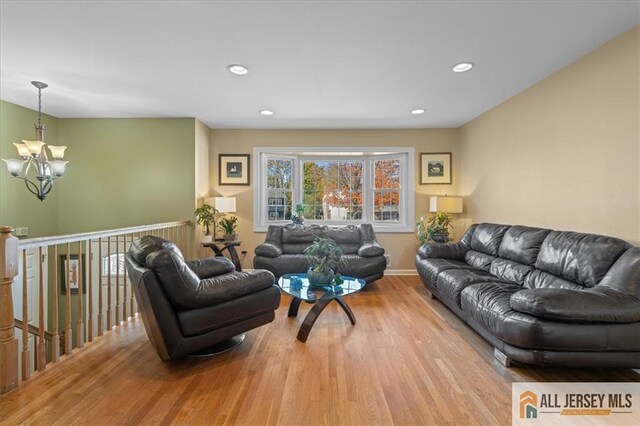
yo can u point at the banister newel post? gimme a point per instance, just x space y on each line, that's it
8 341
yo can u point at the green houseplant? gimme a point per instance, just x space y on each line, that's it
228 226
205 216
436 228
324 257
298 216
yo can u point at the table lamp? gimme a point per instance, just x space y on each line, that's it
223 205
444 205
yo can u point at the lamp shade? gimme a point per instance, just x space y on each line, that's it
225 204
444 204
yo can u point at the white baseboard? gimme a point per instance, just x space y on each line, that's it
401 272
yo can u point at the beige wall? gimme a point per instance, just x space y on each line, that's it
563 154
18 207
126 172
401 246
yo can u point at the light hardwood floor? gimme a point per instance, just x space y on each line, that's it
408 360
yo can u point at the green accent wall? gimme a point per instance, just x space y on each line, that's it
18 207
126 172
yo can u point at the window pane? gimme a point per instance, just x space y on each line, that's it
117 264
387 174
386 205
332 189
278 204
279 173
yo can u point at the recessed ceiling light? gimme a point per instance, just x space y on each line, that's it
238 69
266 112
463 66
418 111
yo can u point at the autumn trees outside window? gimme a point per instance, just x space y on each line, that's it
335 186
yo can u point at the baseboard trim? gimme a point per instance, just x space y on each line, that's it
401 272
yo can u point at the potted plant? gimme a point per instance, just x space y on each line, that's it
228 226
205 216
298 216
323 257
435 229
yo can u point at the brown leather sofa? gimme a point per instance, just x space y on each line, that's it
283 250
540 296
187 307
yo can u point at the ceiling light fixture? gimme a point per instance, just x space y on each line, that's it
418 111
266 112
35 158
237 69
463 66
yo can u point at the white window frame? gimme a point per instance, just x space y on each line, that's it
298 155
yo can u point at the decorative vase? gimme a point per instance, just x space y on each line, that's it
318 278
229 238
298 220
206 239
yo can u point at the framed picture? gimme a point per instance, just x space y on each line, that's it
72 268
435 168
233 169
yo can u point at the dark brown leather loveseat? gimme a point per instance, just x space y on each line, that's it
540 296
190 306
283 250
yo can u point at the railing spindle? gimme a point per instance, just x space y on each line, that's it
90 290
117 319
26 362
124 285
42 346
100 272
68 334
55 340
108 283
80 321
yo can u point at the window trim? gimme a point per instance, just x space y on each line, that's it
369 155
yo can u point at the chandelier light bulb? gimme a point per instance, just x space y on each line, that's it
14 166
57 167
23 151
57 151
34 146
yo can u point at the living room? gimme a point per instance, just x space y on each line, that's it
165 107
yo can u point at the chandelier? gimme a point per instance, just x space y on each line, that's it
34 159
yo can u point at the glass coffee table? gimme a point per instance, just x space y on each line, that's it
297 285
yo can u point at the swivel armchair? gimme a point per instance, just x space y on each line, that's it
198 307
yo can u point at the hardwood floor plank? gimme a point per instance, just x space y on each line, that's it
408 360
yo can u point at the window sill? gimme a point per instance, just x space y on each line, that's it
380 229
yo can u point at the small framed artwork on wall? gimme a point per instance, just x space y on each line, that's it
435 168
72 269
234 169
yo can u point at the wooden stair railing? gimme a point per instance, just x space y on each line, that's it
74 269
36 332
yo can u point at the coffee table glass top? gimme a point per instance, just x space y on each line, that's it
297 285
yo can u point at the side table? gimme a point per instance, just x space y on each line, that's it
219 246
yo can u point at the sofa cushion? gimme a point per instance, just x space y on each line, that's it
296 238
478 259
509 270
429 269
541 279
522 244
281 265
451 282
346 237
488 305
194 322
360 267
580 258
487 238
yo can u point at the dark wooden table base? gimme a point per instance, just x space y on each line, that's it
314 313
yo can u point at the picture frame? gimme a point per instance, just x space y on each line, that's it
72 268
234 169
435 168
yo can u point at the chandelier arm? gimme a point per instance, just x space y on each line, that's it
32 187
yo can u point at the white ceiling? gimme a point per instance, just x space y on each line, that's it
316 64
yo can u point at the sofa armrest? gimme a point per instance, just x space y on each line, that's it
268 250
443 251
371 250
211 266
593 305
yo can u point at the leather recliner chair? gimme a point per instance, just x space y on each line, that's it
187 307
